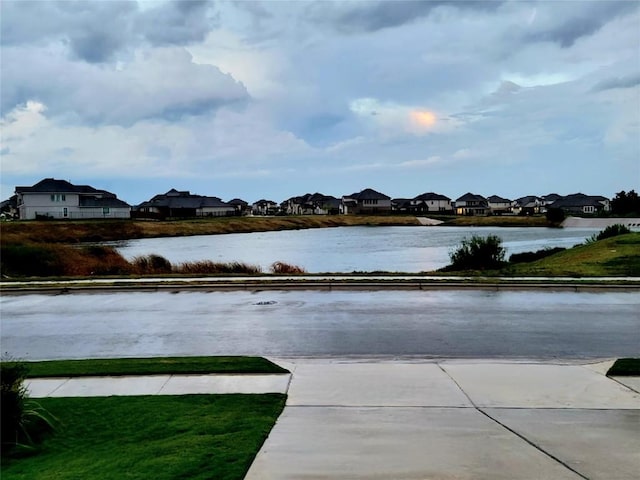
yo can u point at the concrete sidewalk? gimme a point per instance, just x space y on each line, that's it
452 419
156 385
413 419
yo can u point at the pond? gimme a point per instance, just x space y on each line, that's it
348 249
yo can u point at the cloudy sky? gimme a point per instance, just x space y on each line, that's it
276 99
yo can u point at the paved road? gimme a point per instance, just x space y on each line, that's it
471 324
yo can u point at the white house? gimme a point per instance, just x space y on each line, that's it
430 202
51 198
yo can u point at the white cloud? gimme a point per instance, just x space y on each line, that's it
218 144
155 83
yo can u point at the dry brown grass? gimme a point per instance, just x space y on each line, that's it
68 231
286 268
207 267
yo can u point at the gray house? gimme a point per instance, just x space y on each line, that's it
182 204
471 204
499 205
311 204
265 207
51 198
368 202
581 204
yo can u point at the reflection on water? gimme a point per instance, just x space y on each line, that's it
349 249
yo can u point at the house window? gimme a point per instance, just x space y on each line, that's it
58 197
105 210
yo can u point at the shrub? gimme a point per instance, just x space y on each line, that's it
52 260
526 257
209 267
478 253
30 260
286 268
23 420
151 265
610 231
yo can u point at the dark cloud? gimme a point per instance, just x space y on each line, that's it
590 18
179 22
373 16
617 82
96 46
95 31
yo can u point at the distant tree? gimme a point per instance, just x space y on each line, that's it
625 203
555 215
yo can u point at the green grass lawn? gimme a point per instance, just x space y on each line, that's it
149 437
625 367
152 366
616 256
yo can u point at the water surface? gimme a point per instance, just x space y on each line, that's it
349 249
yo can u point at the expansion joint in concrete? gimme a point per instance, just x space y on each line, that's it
506 427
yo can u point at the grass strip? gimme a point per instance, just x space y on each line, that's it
625 367
152 366
616 256
159 437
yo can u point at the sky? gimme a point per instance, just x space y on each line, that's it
276 99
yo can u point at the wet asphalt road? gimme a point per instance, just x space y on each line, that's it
471 324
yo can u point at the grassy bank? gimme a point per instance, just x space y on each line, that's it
617 256
497 221
152 366
159 437
70 232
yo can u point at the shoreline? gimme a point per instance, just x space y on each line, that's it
95 231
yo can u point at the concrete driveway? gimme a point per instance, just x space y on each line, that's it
453 419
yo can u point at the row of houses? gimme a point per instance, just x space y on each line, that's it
60 199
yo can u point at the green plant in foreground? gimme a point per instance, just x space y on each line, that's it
24 421
610 231
478 253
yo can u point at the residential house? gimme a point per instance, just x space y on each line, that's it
9 208
368 201
471 204
581 204
431 203
550 198
401 205
311 204
51 198
265 207
528 205
499 205
182 204
242 207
